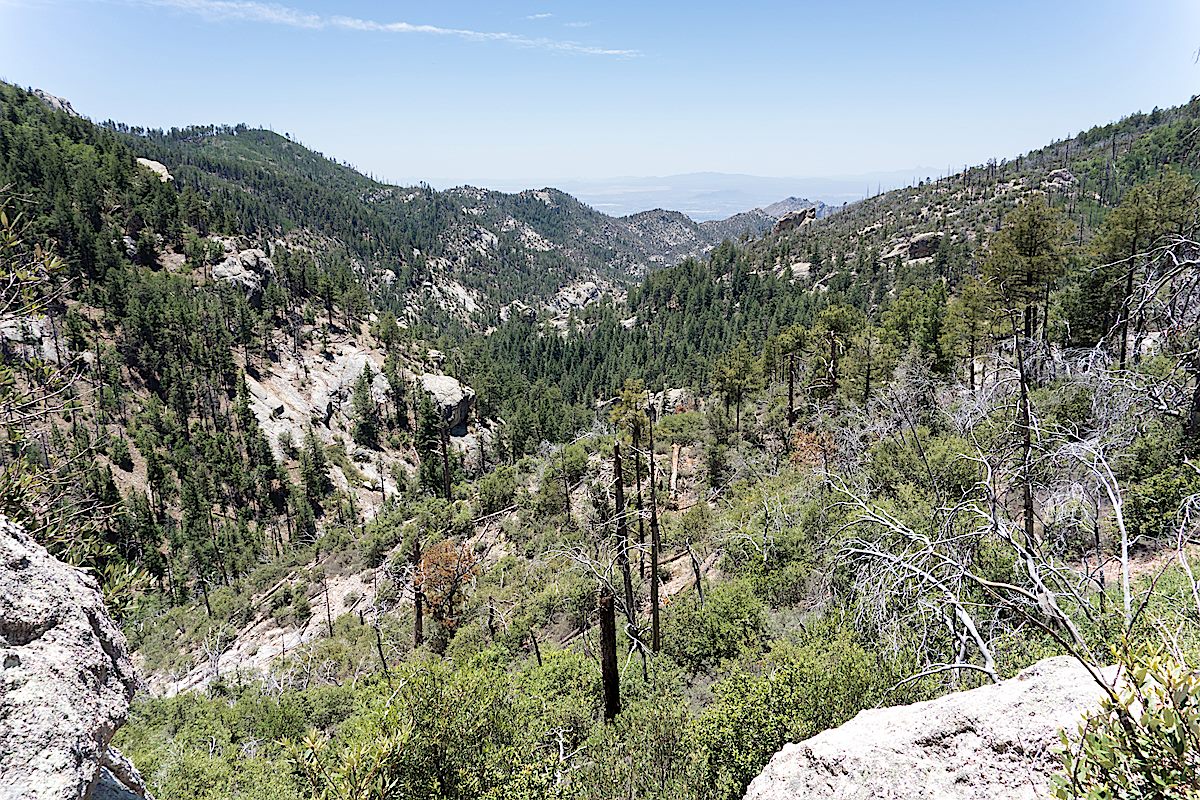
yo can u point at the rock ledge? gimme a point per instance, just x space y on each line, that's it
997 741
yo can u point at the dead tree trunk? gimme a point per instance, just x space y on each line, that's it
674 483
655 640
623 535
204 592
610 676
637 482
378 631
537 651
418 595
1025 423
791 412
696 572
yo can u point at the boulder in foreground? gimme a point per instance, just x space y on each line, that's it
992 743
65 680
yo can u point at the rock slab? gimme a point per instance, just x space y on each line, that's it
992 743
65 678
453 398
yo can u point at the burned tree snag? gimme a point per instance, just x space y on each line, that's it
791 410
418 598
655 639
623 535
610 676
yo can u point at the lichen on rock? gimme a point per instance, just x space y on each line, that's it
66 679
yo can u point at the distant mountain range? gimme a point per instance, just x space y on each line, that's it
707 196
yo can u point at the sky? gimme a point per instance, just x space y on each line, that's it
476 92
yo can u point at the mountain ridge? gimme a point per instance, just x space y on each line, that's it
498 246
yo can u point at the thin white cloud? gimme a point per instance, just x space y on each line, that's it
539 16
275 14
577 24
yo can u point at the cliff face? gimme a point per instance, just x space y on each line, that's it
997 741
65 680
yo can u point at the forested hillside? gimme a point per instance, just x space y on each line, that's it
457 256
865 459
884 257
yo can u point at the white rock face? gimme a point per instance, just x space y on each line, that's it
454 398
248 269
65 678
157 167
991 743
30 337
576 295
1060 180
671 401
297 392
55 102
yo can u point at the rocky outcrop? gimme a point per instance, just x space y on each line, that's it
1059 180
118 779
157 167
787 205
921 245
795 219
924 245
997 741
55 102
517 310
65 680
453 398
249 269
576 295
672 401
29 337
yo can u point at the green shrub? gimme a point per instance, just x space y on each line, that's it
698 638
118 452
1144 742
301 608
497 490
684 428
1152 508
804 689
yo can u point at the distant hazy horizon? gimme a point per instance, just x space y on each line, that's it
706 195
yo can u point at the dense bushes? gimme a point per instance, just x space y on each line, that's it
802 689
700 637
1144 742
482 728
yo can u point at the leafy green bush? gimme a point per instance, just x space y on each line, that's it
497 490
805 688
118 452
1143 742
1152 509
698 638
687 427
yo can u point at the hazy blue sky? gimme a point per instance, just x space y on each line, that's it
466 91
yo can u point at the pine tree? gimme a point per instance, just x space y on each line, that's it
365 412
314 469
